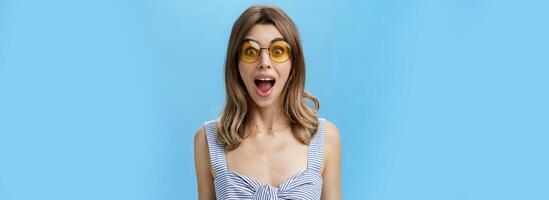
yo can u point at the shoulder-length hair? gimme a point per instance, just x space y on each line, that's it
235 117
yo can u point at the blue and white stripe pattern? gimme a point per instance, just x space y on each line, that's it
306 184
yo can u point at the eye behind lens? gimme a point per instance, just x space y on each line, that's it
248 52
280 51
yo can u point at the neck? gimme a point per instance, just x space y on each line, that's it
268 119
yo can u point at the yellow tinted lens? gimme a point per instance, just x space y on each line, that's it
280 51
249 51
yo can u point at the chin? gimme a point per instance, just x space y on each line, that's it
264 103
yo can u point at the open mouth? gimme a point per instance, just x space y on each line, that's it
264 85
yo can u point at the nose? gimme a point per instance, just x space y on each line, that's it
265 60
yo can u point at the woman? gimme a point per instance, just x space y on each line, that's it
268 143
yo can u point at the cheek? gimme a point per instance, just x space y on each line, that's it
285 69
244 72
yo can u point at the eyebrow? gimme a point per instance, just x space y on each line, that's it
273 40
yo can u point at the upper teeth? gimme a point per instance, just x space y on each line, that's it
265 79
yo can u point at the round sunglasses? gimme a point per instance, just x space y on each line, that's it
279 51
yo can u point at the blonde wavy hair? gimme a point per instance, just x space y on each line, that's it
234 119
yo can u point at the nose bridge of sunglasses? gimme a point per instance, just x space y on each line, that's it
265 57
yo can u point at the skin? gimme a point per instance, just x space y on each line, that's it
269 142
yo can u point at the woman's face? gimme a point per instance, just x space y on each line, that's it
264 78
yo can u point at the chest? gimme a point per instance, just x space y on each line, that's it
268 159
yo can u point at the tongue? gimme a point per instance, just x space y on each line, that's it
264 86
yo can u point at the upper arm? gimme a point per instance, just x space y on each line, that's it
331 175
202 166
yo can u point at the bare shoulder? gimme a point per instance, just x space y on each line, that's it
331 136
200 142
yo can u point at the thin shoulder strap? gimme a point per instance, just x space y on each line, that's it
316 148
217 152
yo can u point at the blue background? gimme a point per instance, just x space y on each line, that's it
100 99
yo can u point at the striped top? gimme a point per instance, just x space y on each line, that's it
306 184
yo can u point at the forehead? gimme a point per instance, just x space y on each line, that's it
263 33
